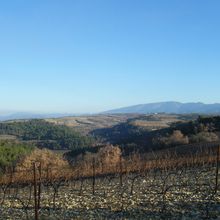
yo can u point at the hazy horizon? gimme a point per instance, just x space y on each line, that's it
92 56
8 112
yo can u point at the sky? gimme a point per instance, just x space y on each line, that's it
85 56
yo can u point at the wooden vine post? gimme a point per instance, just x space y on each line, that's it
217 169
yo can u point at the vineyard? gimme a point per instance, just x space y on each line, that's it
158 185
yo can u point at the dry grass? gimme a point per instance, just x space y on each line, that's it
7 137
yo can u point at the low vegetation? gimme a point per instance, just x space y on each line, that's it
136 138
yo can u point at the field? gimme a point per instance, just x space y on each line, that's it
8 137
86 124
163 188
174 194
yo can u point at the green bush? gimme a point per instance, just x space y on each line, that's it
11 153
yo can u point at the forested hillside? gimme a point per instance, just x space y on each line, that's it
45 134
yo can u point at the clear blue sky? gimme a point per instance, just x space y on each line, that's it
90 56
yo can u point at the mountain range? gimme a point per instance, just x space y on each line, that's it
169 108
159 107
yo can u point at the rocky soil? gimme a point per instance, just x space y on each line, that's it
176 194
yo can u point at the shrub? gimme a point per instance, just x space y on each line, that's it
204 137
176 138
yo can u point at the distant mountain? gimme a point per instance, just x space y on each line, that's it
27 115
169 107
